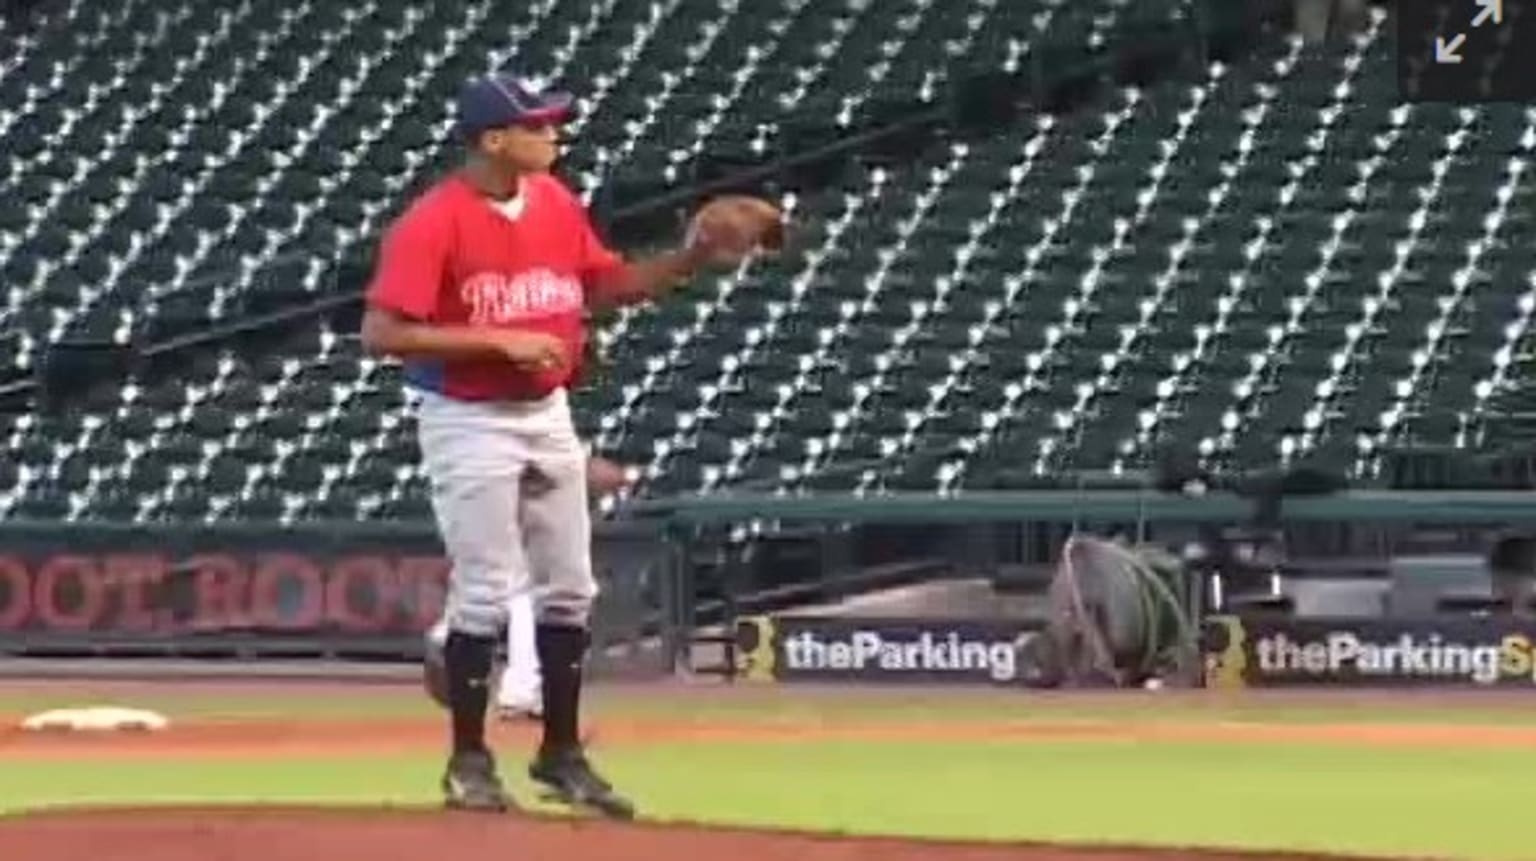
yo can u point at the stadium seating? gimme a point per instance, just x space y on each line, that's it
1272 260
230 153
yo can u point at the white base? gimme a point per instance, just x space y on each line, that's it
96 719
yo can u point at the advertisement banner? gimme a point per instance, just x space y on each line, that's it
832 649
1273 651
372 590
252 589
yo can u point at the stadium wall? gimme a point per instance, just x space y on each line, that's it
367 591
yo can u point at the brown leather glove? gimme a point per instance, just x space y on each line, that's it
729 228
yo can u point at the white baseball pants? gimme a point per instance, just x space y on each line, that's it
509 493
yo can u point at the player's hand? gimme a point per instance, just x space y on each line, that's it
605 476
537 351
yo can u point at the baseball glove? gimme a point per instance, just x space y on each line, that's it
734 226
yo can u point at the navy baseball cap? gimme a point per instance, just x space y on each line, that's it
500 100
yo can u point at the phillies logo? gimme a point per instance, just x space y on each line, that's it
495 298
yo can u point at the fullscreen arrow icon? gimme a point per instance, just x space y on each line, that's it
1445 52
1490 9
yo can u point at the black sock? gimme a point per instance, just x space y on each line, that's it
467 659
561 651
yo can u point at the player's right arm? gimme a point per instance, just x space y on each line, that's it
402 299
387 333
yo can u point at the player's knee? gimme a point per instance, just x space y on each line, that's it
478 619
479 605
476 625
566 615
569 604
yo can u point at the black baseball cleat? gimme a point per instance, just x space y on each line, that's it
570 779
471 783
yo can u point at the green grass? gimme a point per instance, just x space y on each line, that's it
1452 803
1470 804
1447 802
339 780
897 707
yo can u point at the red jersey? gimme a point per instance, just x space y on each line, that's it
454 258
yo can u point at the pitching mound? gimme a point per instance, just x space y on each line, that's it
279 834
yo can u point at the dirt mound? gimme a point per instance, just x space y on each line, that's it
288 834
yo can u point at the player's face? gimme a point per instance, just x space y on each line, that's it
530 148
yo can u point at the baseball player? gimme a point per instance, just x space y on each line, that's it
480 289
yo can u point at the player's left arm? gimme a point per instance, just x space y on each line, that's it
611 280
